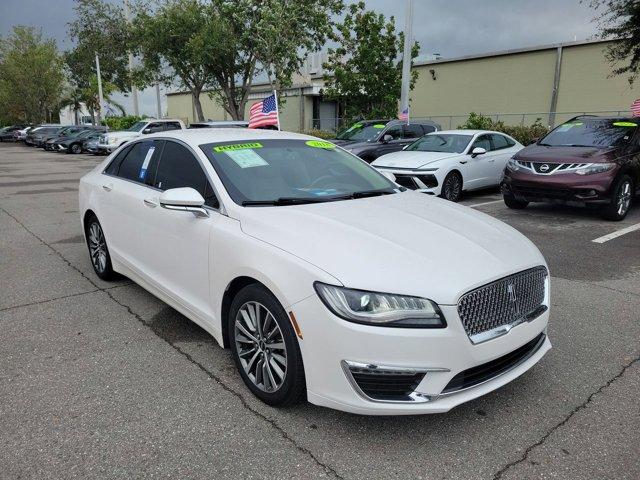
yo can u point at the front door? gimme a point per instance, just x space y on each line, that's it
175 245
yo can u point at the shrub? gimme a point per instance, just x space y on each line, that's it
319 133
525 134
121 123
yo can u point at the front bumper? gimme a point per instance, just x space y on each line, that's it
329 343
563 188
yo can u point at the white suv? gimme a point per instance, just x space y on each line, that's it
112 140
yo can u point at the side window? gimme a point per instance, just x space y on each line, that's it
179 168
482 142
112 168
135 165
153 127
413 131
172 126
499 141
395 132
428 128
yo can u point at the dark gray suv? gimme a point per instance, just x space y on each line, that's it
370 139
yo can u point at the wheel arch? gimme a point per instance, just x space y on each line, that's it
230 292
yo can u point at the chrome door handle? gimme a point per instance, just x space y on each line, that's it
108 187
150 202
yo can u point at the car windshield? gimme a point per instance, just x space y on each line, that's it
441 142
285 172
362 132
591 133
136 127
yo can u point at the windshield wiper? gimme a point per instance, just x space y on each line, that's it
287 201
370 193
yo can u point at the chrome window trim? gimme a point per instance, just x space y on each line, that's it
413 397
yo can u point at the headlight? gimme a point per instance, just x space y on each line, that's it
595 168
381 309
513 165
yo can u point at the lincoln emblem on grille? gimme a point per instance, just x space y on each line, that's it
511 290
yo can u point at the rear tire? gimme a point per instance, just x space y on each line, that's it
75 148
621 200
265 348
452 187
98 250
512 202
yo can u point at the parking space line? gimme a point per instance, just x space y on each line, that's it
483 203
616 234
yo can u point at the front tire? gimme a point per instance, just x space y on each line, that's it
513 203
265 348
98 250
452 187
75 148
620 200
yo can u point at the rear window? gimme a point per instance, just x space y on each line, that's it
591 133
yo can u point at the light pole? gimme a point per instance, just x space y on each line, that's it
100 99
406 59
134 90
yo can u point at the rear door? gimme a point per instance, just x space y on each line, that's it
503 149
124 189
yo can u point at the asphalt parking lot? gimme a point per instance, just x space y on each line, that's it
103 380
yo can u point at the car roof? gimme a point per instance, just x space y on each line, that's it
201 136
465 131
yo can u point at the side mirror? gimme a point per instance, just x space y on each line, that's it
389 175
534 140
146 130
387 138
477 151
185 199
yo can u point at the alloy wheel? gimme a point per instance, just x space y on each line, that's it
260 346
624 198
452 187
75 148
97 247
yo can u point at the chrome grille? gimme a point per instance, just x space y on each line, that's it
505 302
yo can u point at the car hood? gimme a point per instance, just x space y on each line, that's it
406 243
542 153
121 134
404 159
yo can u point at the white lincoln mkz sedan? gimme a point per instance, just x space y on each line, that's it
324 278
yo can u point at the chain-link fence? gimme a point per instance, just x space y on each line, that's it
454 121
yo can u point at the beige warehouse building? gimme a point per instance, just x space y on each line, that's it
551 82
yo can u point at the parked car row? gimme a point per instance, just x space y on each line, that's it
587 161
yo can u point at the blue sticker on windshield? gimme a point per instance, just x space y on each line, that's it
320 192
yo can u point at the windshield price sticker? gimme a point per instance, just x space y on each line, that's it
378 125
246 158
238 146
320 144
624 124
145 164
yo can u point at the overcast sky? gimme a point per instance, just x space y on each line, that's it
451 28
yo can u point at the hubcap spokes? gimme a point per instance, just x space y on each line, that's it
97 247
453 185
624 198
260 346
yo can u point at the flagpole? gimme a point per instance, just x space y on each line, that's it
275 95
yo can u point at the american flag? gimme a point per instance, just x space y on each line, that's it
264 113
635 108
404 115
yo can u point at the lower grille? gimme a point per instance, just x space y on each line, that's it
505 302
384 384
485 372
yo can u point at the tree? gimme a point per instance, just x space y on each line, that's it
363 72
621 20
31 76
99 28
263 36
